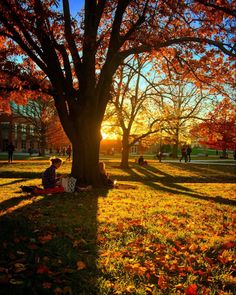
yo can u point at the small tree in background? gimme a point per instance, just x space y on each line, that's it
218 131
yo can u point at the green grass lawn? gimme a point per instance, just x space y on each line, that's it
171 232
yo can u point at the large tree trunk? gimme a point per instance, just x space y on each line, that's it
85 146
81 118
125 151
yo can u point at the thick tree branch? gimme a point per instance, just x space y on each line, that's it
19 40
136 25
229 11
147 48
115 41
70 39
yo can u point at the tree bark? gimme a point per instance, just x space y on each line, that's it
125 151
85 149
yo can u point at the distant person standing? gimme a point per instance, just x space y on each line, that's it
189 151
10 150
68 152
183 154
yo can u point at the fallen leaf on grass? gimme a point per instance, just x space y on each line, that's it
19 267
229 245
80 265
42 269
191 290
20 253
162 282
44 239
130 289
76 243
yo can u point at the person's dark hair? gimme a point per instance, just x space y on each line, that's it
55 160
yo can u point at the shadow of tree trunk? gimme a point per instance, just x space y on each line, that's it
49 245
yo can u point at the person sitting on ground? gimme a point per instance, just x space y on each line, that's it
50 179
141 161
51 183
105 176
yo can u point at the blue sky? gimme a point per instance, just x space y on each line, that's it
76 5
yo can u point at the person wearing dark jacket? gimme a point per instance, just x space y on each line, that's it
10 150
189 150
50 179
183 154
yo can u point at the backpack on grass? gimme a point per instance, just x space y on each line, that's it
29 188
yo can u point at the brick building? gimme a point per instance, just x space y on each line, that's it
18 131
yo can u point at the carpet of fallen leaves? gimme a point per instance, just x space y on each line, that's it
167 229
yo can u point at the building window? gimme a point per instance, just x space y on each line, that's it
15 130
23 131
23 128
32 130
5 128
134 149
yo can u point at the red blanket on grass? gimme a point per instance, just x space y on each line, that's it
53 190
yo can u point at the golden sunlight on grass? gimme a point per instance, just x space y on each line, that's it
170 229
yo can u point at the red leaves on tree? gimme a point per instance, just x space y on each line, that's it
218 131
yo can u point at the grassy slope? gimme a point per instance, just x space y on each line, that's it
174 233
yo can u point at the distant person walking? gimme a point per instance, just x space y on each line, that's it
10 150
68 152
183 154
189 151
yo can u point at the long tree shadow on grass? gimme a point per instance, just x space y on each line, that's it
20 174
50 245
152 173
168 184
14 181
210 171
